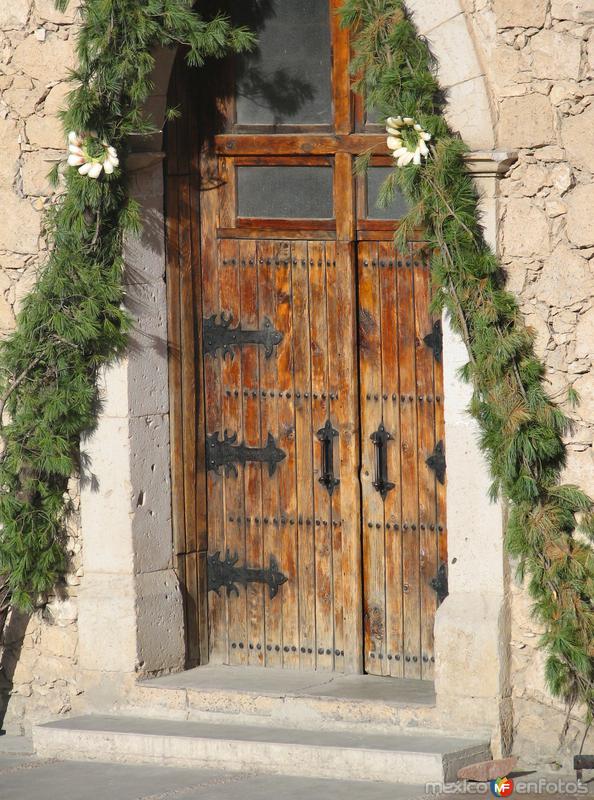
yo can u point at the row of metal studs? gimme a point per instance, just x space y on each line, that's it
288 649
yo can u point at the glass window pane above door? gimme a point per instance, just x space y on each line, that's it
285 192
286 79
398 208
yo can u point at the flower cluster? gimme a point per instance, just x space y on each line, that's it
91 155
407 140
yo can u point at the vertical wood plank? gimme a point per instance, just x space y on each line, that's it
409 469
233 484
269 425
426 402
392 504
218 642
250 368
304 453
286 528
319 413
370 367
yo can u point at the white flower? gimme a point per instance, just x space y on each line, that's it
395 127
91 165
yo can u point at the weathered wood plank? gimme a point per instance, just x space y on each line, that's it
409 468
387 259
250 368
370 367
319 413
267 253
304 455
426 441
287 523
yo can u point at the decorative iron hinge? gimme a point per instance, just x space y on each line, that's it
440 583
326 436
380 439
434 340
437 462
226 573
227 453
219 336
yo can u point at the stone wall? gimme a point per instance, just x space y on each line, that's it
38 678
539 60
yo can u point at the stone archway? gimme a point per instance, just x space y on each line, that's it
131 614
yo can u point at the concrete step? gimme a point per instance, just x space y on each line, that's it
396 758
280 698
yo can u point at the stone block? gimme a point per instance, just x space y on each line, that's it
511 14
20 224
106 499
576 10
45 132
46 11
36 167
555 55
584 386
57 98
160 621
14 14
9 151
578 138
151 493
147 359
525 121
468 111
580 219
107 622
46 61
428 16
525 230
564 279
467 642
452 45
584 336
60 642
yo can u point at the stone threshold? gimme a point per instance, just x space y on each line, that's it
402 692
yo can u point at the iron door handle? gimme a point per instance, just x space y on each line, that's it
380 439
326 436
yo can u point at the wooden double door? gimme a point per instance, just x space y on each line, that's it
308 462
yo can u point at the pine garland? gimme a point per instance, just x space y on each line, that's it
73 324
522 430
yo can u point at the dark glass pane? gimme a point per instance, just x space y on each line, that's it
373 117
375 177
286 79
275 192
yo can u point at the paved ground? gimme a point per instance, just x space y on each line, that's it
24 777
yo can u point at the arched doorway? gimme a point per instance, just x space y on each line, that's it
305 370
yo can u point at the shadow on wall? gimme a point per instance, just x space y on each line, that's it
11 645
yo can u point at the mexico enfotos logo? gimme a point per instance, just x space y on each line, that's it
506 787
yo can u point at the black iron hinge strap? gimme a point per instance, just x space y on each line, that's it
226 573
220 336
227 453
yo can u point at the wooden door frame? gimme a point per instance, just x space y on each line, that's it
190 253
